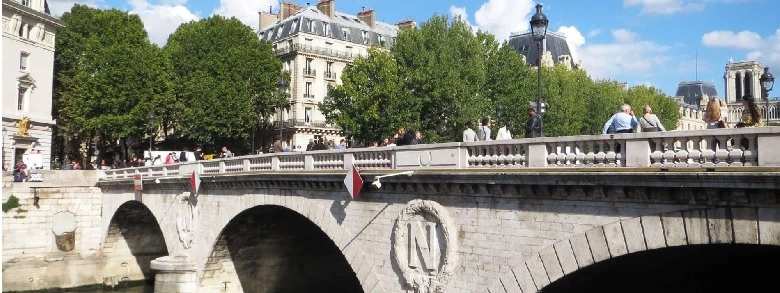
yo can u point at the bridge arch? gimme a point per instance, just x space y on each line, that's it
311 215
133 238
721 226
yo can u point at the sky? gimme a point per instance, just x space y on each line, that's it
643 42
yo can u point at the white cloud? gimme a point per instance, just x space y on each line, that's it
58 7
629 55
665 6
501 17
594 33
245 11
160 20
729 39
574 39
460 12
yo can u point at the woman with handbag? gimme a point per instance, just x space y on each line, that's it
751 116
649 121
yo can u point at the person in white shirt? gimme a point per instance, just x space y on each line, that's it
484 130
469 135
503 132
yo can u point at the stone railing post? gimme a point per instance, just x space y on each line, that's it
637 153
768 152
246 165
308 162
175 274
275 163
221 167
463 157
537 155
349 159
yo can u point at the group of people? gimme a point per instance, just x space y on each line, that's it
533 128
715 117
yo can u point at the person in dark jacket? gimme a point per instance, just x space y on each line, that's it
183 155
533 127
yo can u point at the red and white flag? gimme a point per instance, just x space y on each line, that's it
195 181
138 182
353 182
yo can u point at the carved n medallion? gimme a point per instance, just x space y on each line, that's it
424 246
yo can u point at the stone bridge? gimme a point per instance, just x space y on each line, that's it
631 212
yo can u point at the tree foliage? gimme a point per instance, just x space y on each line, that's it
107 75
444 74
224 77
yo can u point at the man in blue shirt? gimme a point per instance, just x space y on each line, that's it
622 122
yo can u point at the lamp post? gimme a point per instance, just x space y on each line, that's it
767 83
282 86
152 119
539 24
499 112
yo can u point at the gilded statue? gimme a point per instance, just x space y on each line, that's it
24 126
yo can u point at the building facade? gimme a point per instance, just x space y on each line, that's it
742 78
315 44
28 67
555 49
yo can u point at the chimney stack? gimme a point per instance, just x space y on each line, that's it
328 7
267 18
405 24
288 9
368 17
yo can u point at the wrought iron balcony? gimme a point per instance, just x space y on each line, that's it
308 72
308 96
317 50
330 75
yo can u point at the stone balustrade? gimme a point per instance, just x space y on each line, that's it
717 148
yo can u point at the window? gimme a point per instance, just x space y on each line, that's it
23 61
307 112
26 3
309 25
294 25
307 69
329 67
22 98
365 37
345 33
308 91
326 28
308 42
382 40
329 71
287 65
24 30
289 44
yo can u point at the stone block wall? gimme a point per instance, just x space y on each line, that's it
32 258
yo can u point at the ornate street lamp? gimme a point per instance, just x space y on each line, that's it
441 126
539 24
152 120
282 86
767 83
499 112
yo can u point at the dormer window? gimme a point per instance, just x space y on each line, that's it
365 37
345 33
326 27
26 3
382 40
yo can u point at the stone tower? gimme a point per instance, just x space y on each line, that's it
741 78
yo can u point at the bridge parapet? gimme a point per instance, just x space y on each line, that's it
717 148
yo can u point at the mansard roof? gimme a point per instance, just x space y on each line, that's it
340 21
524 44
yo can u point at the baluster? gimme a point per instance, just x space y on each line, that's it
681 157
590 157
552 155
722 154
510 154
611 157
520 157
657 154
601 155
480 159
472 157
735 155
563 155
579 154
708 152
669 153
695 153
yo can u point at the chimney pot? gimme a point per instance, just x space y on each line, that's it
368 16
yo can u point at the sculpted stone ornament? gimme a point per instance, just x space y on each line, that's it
24 126
424 247
187 220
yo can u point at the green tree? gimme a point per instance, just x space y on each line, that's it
665 107
107 75
604 100
224 77
367 103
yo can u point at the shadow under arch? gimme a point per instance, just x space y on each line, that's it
271 248
693 268
132 241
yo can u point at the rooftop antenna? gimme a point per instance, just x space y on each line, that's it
697 64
